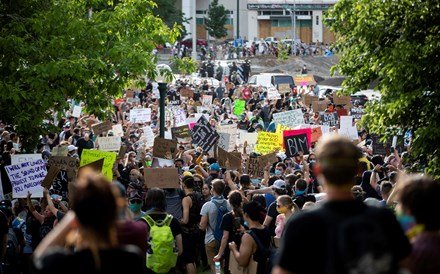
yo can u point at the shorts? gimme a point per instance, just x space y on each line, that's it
189 242
212 250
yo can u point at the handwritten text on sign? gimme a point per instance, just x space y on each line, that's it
140 115
267 142
89 156
289 118
26 177
203 134
296 143
330 119
111 143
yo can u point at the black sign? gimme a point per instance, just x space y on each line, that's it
330 119
378 146
59 185
296 143
357 113
180 132
203 134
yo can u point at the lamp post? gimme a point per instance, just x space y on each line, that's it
293 14
164 75
238 19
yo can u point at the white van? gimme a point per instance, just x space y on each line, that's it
271 80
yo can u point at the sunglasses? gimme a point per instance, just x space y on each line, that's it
136 201
197 181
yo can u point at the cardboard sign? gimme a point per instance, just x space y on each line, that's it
181 132
253 168
111 143
341 100
89 156
225 157
268 158
96 166
140 115
122 151
161 177
148 136
330 119
231 130
164 148
357 113
60 150
27 177
267 142
51 174
296 143
289 118
284 88
341 112
304 80
69 164
239 107
186 92
101 127
23 158
316 134
203 134
308 100
319 106
223 141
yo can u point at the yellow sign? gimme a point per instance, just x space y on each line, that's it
267 142
90 156
279 131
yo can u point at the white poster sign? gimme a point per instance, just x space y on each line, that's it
76 111
27 177
140 115
111 143
149 136
289 118
117 130
22 158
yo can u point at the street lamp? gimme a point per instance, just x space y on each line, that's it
293 18
164 75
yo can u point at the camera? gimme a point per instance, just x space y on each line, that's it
384 169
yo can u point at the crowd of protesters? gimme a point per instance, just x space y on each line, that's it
294 209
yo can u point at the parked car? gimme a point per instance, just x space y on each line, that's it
199 42
363 96
271 80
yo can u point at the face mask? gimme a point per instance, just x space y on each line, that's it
278 172
406 221
282 210
300 192
255 181
148 163
135 207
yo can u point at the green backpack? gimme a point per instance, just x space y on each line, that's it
162 249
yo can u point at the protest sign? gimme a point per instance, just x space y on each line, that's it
341 100
76 111
357 113
316 134
22 158
186 92
225 158
268 158
308 100
250 138
289 118
346 121
341 112
203 134
239 107
329 119
89 156
231 130
267 142
149 136
181 132
284 88
273 94
296 143
223 141
306 131
69 164
206 100
101 127
164 148
60 185
27 177
304 80
95 165
110 143
140 115
51 174
122 151
161 177
179 117
319 106
161 162
253 168
378 146
117 130
60 150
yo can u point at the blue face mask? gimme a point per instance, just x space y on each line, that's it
278 172
255 181
406 221
135 208
300 192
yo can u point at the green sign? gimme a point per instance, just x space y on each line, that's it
239 107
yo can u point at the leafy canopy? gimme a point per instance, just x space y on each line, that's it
216 20
86 50
397 42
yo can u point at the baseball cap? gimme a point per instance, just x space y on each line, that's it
214 166
279 184
187 173
135 196
71 148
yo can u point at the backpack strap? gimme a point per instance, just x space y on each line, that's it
149 220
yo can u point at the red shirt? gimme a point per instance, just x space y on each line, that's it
246 94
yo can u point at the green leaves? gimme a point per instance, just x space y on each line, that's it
398 43
216 20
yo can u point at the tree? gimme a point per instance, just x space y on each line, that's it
88 51
170 15
216 20
396 42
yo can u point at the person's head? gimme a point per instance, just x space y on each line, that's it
245 181
98 217
279 187
206 190
300 186
280 168
135 202
260 199
155 199
385 189
178 163
254 212
235 200
218 187
284 204
419 198
358 193
309 205
188 182
135 175
214 170
337 160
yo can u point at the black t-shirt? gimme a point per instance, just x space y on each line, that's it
315 232
300 200
228 225
125 259
272 212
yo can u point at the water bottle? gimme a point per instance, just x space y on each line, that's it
218 268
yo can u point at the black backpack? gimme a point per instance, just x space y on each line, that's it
270 253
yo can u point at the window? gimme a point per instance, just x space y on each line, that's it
229 21
229 12
317 20
200 11
200 21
